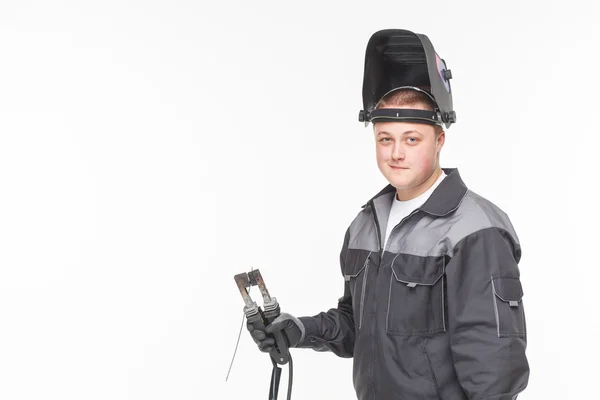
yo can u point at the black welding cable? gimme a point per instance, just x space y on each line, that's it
276 376
291 369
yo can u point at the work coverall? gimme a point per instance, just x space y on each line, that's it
438 312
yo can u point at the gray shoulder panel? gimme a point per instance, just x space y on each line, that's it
363 232
430 235
477 213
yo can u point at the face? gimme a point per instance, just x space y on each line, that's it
408 156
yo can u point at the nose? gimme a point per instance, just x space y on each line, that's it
398 151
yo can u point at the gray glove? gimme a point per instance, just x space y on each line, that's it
290 325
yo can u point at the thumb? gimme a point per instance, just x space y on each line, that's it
278 324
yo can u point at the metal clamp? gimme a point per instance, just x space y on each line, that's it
262 318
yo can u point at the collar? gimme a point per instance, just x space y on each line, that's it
444 199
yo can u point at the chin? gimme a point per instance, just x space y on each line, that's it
403 186
397 178
401 183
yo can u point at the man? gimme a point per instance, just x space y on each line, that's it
432 305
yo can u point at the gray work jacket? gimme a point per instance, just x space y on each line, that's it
438 312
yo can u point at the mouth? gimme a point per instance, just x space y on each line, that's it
397 168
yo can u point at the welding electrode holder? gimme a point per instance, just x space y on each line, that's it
260 319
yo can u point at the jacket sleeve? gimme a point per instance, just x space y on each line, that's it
333 330
486 319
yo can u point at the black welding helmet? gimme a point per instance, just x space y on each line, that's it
396 59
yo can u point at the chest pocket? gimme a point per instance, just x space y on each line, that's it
416 296
356 270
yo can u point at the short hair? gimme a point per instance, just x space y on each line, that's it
407 98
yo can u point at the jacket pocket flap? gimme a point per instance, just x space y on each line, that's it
508 289
418 270
356 261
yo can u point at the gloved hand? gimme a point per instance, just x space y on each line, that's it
290 325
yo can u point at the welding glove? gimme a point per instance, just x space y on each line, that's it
290 325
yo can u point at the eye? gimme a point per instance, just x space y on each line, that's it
412 140
384 140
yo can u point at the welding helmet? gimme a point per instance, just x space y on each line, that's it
399 59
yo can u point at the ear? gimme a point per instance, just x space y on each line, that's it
441 139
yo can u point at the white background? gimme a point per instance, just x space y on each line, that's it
151 150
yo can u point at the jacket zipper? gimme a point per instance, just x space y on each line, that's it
362 294
373 333
381 251
399 224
